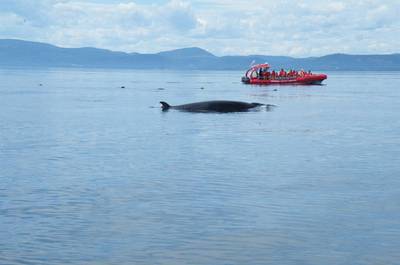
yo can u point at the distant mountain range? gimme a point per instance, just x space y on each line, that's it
18 53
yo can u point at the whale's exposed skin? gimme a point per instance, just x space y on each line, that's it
213 106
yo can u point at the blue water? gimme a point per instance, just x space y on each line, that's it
92 173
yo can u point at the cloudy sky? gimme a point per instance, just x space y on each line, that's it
224 27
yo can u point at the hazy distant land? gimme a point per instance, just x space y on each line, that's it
18 53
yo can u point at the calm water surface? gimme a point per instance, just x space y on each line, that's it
92 173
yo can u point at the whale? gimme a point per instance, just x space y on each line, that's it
221 106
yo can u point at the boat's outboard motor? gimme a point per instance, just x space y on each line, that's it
245 79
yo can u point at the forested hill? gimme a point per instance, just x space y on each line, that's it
18 53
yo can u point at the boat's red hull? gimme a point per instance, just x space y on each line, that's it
313 79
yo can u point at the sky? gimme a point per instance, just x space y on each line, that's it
300 28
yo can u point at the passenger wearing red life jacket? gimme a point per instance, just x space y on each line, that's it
273 74
282 73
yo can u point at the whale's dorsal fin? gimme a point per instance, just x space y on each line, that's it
164 105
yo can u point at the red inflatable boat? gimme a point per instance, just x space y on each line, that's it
260 75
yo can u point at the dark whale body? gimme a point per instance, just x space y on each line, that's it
213 106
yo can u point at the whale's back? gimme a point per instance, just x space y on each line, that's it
217 106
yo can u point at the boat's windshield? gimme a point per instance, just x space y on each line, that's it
256 72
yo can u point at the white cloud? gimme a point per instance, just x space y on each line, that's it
297 28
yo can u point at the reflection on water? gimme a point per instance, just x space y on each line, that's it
93 174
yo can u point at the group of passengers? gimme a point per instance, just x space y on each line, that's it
282 74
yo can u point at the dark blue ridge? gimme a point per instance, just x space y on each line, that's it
19 53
